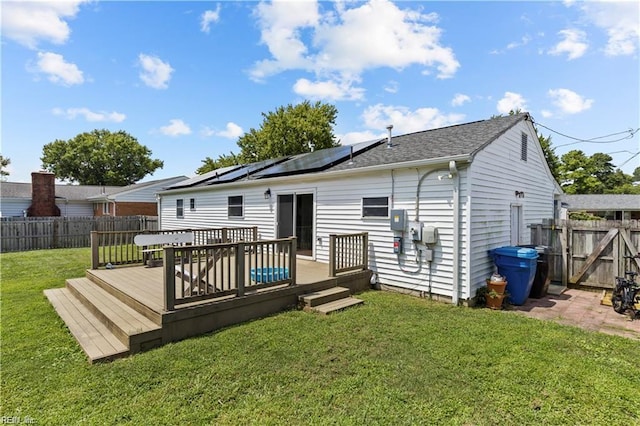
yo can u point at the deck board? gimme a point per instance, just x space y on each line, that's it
95 339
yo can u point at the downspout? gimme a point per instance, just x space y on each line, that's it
159 207
453 172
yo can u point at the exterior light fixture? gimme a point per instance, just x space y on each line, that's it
267 194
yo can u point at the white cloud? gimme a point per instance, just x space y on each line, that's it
391 87
620 20
155 73
568 101
58 70
28 22
341 43
405 120
232 131
573 44
511 102
357 137
100 116
459 99
546 113
209 17
330 90
176 127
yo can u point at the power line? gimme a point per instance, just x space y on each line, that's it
629 135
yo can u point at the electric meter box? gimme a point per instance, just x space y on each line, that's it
429 235
415 230
398 220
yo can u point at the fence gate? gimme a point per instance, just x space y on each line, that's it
588 253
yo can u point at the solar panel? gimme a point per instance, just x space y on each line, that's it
246 171
317 160
204 177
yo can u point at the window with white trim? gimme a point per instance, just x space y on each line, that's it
105 208
375 207
192 204
180 208
235 206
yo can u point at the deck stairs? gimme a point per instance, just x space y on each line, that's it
328 301
107 323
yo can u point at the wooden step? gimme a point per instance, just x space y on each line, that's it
337 305
95 339
132 328
309 300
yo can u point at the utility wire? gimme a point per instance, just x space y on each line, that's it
629 135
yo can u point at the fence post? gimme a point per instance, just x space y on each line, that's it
240 268
332 255
169 278
95 239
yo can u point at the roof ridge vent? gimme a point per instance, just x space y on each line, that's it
389 127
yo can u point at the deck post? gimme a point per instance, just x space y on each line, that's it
292 259
255 233
240 268
365 251
94 250
332 255
169 278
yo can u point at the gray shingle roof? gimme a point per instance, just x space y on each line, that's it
445 142
69 192
602 202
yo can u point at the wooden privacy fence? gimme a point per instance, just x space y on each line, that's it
119 248
588 253
348 252
37 233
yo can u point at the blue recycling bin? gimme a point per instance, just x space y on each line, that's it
518 265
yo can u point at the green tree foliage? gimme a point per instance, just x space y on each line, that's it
580 174
4 163
550 155
290 130
99 157
636 174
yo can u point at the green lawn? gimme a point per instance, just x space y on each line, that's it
395 360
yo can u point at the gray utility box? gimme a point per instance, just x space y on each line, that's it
398 220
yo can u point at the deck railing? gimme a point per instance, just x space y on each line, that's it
203 272
118 247
348 252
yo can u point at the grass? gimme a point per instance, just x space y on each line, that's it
395 360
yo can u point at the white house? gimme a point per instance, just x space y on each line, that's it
433 202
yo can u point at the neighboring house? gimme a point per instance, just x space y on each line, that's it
468 188
136 199
607 206
42 197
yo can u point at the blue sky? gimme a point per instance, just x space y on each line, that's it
188 78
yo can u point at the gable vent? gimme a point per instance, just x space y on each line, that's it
523 147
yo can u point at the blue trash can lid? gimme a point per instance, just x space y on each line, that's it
514 251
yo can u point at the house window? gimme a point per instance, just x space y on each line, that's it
375 207
235 206
523 147
105 208
192 204
180 208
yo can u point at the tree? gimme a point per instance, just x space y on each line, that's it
550 155
4 163
636 174
99 157
290 130
580 174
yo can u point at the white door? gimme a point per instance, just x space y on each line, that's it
516 224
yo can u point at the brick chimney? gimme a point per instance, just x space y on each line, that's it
43 195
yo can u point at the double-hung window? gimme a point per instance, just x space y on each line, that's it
180 208
235 206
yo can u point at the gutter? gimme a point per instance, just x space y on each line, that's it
314 177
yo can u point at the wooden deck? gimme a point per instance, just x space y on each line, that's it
117 312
